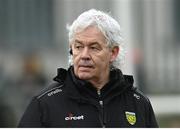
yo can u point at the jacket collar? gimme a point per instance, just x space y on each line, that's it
80 89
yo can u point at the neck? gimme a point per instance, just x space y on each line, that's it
100 82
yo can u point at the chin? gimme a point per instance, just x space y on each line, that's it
84 76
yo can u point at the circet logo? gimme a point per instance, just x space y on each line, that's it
72 117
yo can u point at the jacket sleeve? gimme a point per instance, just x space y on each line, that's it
151 119
32 115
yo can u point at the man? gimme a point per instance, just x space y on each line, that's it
93 92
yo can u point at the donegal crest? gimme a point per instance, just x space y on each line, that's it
131 117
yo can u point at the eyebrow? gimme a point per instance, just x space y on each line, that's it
77 41
92 43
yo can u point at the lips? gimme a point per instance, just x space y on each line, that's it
85 67
88 66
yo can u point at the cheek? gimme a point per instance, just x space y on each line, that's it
102 60
105 57
75 64
75 59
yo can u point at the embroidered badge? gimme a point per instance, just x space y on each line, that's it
131 117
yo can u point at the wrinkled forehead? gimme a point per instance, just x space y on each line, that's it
89 34
89 30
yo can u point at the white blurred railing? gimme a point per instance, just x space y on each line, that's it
166 104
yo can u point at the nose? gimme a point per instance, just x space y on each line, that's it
85 54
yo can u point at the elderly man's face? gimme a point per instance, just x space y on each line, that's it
91 55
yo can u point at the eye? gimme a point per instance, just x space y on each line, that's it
95 48
78 47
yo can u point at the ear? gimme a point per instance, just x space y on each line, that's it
114 53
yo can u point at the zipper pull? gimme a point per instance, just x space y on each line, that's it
101 103
99 93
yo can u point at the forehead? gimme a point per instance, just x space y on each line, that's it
90 34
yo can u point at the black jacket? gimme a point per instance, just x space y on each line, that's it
71 102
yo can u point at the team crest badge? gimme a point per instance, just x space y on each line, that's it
131 117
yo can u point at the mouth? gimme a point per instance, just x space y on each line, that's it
85 67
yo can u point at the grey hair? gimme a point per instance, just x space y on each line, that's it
106 24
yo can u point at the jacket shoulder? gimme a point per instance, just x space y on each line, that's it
139 95
56 87
136 92
52 89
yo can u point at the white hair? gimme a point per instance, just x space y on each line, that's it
106 24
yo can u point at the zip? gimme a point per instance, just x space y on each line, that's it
101 116
100 101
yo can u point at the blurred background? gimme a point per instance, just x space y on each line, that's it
33 44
